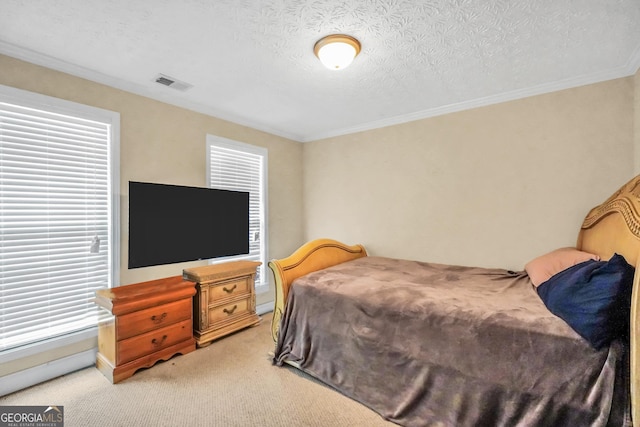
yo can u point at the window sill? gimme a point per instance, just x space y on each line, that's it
48 345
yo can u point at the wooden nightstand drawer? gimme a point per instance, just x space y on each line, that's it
229 289
143 321
225 300
228 311
153 341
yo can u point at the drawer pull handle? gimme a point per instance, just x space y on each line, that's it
230 312
229 290
157 343
158 319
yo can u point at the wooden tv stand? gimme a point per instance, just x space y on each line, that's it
148 322
225 299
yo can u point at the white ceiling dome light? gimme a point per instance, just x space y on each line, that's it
337 51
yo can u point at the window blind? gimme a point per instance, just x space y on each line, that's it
239 167
55 222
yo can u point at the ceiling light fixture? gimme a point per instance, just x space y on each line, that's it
337 51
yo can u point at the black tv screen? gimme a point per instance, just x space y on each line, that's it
173 223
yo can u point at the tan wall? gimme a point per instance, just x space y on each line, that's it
492 186
163 143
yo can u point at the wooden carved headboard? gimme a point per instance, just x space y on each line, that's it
312 256
614 227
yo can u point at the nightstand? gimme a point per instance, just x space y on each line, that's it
147 322
225 299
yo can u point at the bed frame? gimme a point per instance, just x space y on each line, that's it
612 227
313 256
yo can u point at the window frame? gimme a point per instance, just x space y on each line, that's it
218 141
69 340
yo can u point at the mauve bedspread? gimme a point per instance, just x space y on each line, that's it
428 344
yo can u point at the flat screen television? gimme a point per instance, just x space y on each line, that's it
173 223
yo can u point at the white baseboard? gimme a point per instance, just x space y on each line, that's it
41 373
264 308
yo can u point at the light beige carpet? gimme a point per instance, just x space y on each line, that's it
229 383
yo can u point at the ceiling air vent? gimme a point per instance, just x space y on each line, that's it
172 83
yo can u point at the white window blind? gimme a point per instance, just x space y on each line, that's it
56 221
242 167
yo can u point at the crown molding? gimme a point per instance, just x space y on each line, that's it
37 58
628 69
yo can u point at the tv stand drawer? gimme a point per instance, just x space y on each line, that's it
156 340
138 322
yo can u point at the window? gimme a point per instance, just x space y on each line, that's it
58 216
237 166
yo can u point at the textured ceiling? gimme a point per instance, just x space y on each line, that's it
252 62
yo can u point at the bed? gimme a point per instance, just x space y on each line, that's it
426 344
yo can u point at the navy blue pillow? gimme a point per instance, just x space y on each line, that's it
593 297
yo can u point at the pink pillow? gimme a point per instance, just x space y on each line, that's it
542 268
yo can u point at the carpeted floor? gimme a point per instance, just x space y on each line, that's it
229 383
